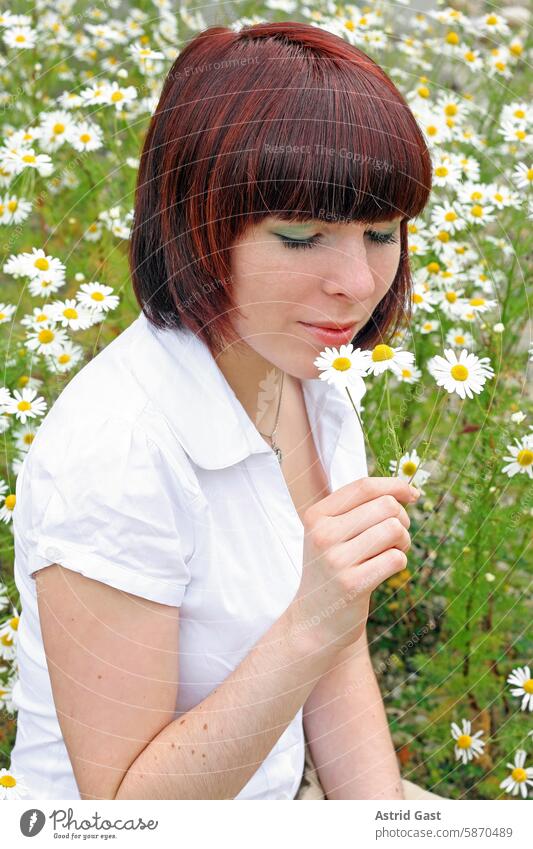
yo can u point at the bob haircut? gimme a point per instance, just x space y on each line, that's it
282 119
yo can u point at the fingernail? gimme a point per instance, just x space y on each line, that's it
415 492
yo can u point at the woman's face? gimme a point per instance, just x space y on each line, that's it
319 272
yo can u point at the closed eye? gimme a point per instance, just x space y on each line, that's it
373 235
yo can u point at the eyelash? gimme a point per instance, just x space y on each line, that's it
377 238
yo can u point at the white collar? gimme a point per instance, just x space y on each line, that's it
184 380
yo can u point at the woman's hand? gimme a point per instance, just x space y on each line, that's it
355 538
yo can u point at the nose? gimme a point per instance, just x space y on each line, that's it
349 274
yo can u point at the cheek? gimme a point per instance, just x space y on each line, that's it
386 265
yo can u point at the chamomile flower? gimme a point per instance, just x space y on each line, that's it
409 374
520 458
459 337
520 777
384 358
69 314
464 375
467 745
96 296
7 505
12 786
408 466
47 340
523 686
6 312
8 636
84 136
523 175
429 326
25 405
64 360
344 367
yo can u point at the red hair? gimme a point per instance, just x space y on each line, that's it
281 119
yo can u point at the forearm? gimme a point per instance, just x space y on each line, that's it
214 749
348 733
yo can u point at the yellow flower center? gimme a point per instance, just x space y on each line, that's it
349 25
452 38
528 685
450 216
476 302
42 264
451 109
341 363
464 741
406 372
116 96
45 336
459 372
469 56
9 503
28 438
23 405
423 91
432 130
97 296
7 781
433 267
382 353
443 236
477 210
441 171
520 134
14 622
518 774
409 468
451 297
59 128
63 358
12 205
70 312
525 458
459 340
418 299
519 113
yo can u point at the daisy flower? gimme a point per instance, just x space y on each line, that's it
428 326
47 340
84 136
467 745
344 367
7 505
8 637
521 678
519 777
66 359
459 337
384 358
68 313
520 458
25 405
39 265
12 786
465 374
409 465
20 37
409 374
6 312
523 175
96 296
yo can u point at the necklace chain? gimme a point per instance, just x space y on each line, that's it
270 436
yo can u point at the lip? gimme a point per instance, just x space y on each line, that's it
329 335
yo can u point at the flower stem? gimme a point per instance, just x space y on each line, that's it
377 462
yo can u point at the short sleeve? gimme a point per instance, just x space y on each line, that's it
101 499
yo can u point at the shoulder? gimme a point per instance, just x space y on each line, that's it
106 419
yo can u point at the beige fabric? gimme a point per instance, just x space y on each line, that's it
311 788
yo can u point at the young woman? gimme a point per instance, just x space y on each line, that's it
196 534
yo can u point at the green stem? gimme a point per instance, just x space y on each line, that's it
444 397
365 436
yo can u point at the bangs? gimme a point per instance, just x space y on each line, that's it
346 149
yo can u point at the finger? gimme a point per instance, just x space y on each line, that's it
370 574
358 492
347 526
387 534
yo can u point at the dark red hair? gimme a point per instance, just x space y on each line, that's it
209 166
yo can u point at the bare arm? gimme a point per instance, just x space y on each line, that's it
215 748
347 730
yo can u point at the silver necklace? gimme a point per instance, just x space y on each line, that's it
275 448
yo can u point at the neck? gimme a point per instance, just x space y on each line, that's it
257 384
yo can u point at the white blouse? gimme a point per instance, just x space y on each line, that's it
147 474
